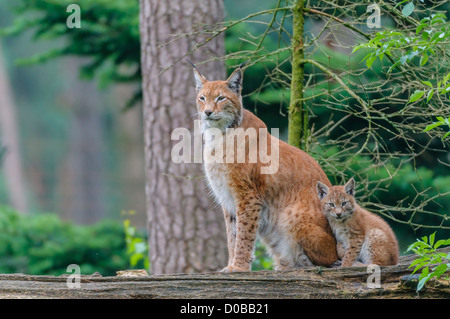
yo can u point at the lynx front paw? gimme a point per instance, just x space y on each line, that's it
233 269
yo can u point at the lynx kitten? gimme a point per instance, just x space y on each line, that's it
362 237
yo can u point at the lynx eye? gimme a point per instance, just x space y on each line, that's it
344 204
202 98
220 98
331 205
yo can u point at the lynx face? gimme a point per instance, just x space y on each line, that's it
219 103
338 202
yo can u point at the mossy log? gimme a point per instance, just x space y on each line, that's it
396 282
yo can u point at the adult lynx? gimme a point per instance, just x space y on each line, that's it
282 207
363 238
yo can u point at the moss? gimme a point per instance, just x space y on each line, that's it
298 117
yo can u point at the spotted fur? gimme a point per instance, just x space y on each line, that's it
363 238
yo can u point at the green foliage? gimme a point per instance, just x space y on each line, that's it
442 86
404 47
109 36
44 245
432 263
408 9
440 121
262 259
408 50
137 246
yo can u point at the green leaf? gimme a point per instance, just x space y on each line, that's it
408 9
140 247
420 27
430 95
401 2
423 59
415 96
426 34
425 273
422 283
416 262
439 270
432 238
370 60
447 77
445 89
441 242
393 66
437 36
134 259
432 126
422 263
414 245
428 83
446 134
363 45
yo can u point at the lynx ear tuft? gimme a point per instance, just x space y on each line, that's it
235 81
200 80
322 190
350 187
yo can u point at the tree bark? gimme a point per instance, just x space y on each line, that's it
9 137
186 234
396 282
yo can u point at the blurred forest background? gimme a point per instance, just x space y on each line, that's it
77 126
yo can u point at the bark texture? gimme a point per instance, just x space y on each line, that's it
186 234
396 282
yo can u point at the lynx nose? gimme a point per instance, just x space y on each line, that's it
208 113
338 214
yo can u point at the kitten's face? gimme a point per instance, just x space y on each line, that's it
338 202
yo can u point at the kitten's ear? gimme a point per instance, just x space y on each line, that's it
200 80
350 187
322 190
235 81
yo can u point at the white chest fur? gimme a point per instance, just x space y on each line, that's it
217 180
217 173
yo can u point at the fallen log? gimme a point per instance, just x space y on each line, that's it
315 282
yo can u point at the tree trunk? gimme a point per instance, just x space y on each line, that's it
186 234
305 283
9 137
298 116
